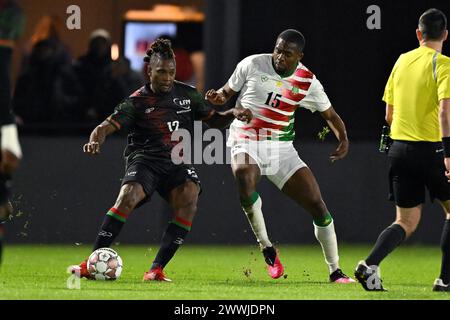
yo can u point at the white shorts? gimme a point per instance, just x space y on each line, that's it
10 140
278 160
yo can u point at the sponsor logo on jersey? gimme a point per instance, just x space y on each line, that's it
149 110
185 104
183 111
131 173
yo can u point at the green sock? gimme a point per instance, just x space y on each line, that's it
249 201
323 221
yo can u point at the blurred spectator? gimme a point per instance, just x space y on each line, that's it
48 89
129 79
102 91
48 28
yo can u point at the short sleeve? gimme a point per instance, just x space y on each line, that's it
124 115
202 111
443 79
316 99
388 96
239 76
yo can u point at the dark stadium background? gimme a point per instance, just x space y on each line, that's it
61 195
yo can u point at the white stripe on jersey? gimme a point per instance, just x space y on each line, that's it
288 101
302 79
285 113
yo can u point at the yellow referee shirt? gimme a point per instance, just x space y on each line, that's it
418 81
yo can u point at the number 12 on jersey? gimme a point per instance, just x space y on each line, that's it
173 125
275 102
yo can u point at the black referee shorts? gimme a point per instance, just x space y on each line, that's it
415 166
160 175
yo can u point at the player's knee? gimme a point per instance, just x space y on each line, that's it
187 210
10 162
245 180
126 203
316 207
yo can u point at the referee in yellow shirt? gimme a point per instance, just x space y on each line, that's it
417 97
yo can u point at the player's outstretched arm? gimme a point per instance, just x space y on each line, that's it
221 120
98 137
221 96
337 125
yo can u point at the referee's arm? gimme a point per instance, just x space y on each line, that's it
389 113
444 118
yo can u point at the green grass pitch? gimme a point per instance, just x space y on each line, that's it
216 272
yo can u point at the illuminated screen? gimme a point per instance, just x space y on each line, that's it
139 35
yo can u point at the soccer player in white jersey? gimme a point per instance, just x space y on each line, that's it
273 86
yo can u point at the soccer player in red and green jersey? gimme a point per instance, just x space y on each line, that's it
151 115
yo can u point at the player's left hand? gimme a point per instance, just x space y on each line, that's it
243 114
447 167
341 151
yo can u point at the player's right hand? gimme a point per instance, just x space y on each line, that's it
92 148
215 97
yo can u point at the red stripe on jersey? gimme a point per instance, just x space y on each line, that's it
274 115
258 124
247 137
300 84
139 92
287 93
284 106
304 73
114 123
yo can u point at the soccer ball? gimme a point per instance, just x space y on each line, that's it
105 264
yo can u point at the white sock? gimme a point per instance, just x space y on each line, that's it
327 239
255 217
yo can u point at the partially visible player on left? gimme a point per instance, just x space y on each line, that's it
11 26
151 115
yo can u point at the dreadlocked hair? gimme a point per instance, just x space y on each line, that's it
161 47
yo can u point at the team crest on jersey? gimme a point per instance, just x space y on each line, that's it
264 78
295 90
